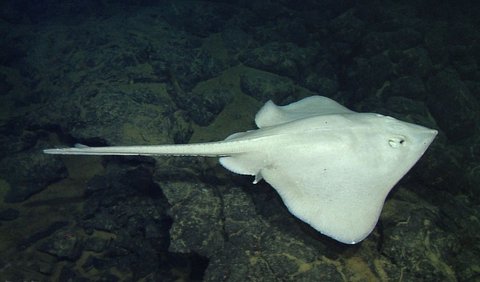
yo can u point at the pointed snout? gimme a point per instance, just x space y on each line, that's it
423 135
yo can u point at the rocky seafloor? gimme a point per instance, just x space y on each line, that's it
142 72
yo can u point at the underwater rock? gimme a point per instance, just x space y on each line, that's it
95 184
282 30
235 39
5 86
273 253
197 227
461 215
266 9
67 273
28 173
473 177
265 86
118 117
198 18
412 110
132 212
414 62
445 164
319 84
93 262
206 104
292 31
127 252
465 62
14 141
347 27
415 238
192 67
95 244
366 75
281 58
226 228
460 119
13 50
45 267
137 120
9 214
64 244
379 69
102 221
407 86
40 234
377 42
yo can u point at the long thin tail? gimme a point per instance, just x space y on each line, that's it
212 149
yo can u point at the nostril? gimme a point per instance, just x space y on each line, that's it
396 142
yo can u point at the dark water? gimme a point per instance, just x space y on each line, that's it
154 72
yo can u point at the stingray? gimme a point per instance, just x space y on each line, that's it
332 167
